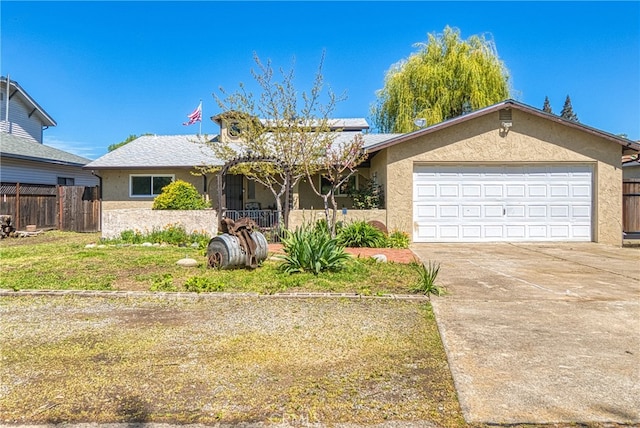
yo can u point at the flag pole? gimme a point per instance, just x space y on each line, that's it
200 132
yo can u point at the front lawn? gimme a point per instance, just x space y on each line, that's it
60 261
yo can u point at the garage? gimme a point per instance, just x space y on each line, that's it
502 203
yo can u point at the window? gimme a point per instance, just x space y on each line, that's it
325 186
66 181
148 185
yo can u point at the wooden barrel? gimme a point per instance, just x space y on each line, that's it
224 251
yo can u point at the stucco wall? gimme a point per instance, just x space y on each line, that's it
300 217
531 140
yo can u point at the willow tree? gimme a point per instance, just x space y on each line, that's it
445 78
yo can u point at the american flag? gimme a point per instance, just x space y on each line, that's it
196 116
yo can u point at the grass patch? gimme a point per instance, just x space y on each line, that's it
60 261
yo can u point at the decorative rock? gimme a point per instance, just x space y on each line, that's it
187 262
102 246
90 246
380 258
147 244
195 245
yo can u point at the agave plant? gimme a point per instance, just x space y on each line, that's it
311 250
361 234
427 274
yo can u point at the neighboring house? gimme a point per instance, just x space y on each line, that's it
631 167
24 158
508 172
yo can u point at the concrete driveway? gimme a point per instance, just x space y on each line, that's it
541 333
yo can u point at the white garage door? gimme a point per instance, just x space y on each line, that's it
513 203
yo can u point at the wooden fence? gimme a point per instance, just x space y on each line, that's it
631 206
72 208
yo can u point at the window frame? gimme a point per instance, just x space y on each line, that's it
152 176
354 177
68 181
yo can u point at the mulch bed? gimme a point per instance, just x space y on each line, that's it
396 255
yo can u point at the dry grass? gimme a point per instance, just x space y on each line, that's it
238 359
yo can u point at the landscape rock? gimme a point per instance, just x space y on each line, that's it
380 258
187 262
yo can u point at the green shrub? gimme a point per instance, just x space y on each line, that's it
398 239
163 283
173 234
311 249
427 274
203 284
367 197
361 234
180 195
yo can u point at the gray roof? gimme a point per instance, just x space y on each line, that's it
154 151
348 124
16 147
16 89
186 151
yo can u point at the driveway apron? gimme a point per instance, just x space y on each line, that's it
541 333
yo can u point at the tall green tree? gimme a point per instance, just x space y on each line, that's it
567 111
546 107
446 77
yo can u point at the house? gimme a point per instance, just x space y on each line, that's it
23 156
508 172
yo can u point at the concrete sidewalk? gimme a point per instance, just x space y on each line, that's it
541 333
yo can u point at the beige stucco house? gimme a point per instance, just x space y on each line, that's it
508 172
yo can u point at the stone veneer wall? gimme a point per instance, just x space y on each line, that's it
145 220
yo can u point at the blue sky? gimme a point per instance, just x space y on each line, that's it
105 70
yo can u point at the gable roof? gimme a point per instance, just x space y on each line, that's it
159 151
15 90
500 106
16 147
186 151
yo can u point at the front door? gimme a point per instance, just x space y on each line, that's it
233 190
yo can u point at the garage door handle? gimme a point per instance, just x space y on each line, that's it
504 211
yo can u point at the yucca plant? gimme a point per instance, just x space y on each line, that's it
311 250
361 234
427 274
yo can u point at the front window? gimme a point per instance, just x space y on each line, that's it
351 184
148 185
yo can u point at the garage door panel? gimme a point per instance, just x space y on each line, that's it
471 191
449 211
578 191
493 191
519 203
559 211
426 190
449 191
472 211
